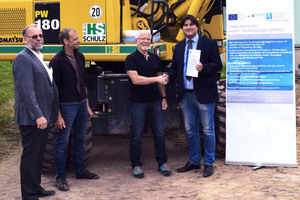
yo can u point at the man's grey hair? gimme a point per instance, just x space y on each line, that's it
142 31
64 34
25 30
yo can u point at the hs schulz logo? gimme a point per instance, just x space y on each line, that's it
94 32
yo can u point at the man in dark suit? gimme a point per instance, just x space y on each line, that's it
36 106
197 95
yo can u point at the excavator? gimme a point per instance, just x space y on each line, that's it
107 30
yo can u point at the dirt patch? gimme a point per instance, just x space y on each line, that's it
110 159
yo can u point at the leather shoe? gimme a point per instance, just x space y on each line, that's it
88 175
41 192
188 167
208 171
62 184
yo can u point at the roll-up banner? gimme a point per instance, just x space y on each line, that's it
260 95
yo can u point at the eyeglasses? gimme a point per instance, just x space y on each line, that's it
144 39
36 36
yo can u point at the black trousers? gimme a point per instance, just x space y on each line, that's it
34 142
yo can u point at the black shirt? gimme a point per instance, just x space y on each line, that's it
148 68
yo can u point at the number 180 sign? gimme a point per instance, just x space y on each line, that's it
47 16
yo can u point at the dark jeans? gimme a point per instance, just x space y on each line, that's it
193 114
153 112
76 118
34 142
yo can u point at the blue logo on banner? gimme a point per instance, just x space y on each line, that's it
232 17
268 15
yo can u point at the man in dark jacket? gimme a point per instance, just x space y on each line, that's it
197 95
69 74
36 106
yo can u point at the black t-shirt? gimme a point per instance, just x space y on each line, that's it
148 68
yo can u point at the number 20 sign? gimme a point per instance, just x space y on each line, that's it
96 12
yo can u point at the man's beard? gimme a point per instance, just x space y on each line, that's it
143 47
36 47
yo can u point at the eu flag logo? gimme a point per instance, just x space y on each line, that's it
232 17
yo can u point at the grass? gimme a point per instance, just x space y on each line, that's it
6 94
6 82
223 72
9 134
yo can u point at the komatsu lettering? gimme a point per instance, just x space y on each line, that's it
11 40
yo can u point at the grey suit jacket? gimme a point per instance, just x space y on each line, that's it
35 95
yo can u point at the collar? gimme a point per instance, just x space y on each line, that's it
140 54
194 39
40 55
75 51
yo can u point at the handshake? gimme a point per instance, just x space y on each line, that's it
163 79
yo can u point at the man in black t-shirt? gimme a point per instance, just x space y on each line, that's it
148 99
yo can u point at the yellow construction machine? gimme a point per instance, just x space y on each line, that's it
107 27
107 30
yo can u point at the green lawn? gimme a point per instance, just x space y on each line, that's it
223 72
6 82
6 94
9 133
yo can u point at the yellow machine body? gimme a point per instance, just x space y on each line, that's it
102 25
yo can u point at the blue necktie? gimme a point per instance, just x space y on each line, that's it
190 46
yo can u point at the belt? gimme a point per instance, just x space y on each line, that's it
189 90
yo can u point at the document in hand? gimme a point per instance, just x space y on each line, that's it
193 60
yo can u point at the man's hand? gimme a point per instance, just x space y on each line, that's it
41 122
164 104
60 123
161 79
90 112
199 67
166 79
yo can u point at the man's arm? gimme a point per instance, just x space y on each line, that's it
88 105
214 63
24 81
162 89
142 80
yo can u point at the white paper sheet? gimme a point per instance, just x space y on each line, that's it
193 60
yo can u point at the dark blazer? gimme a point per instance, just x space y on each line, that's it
205 86
35 95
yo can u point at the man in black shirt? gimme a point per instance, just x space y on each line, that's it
148 99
